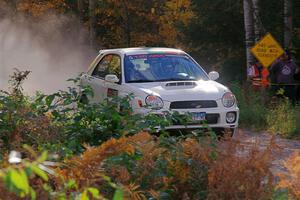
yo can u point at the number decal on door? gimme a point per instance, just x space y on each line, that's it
112 92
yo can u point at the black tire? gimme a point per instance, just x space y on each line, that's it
84 99
224 132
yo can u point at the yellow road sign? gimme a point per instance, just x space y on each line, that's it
267 50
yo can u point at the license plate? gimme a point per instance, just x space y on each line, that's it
199 116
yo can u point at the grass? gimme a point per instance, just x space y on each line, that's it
296 134
259 110
252 110
281 118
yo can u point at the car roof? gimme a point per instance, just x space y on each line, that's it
142 50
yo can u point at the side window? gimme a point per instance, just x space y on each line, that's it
114 67
110 64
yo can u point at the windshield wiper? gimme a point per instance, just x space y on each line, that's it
141 81
175 79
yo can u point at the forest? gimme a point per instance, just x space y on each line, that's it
211 31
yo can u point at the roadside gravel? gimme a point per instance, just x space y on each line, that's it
286 146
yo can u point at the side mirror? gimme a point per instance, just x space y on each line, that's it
112 78
213 75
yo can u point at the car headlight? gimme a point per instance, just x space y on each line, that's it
154 102
228 99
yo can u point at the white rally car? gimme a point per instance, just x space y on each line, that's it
163 79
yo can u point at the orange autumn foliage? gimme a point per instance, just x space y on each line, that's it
176 12
242 172
150 22
191 168
119 23
290 180
87 168
37 8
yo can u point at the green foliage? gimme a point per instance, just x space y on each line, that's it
273 20
16 181
296 135
93 192
16 178
92 124
253 110
230 70
260 110
149 167
21 120
161 167
282 118
62 122
215 35
280 194
29 180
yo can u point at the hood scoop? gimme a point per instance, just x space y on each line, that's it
181 83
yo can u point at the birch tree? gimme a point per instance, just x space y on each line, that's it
288 23
257 24
249 30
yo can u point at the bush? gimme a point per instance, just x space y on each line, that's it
143 166
260 111
281 119
241 172
290 180
20 122
61 122
119 159
149 167
252 108
31 179
296 135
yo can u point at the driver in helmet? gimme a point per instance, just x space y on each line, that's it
162 69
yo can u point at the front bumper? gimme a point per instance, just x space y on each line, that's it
220 122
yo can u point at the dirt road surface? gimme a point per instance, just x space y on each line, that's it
287 147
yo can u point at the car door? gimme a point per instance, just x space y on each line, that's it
108 64
114 68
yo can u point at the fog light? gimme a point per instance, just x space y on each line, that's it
230 117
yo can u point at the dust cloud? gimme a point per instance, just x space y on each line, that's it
54 49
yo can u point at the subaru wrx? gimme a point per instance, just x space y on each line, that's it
163 79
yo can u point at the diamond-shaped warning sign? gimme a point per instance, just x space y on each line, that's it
267 50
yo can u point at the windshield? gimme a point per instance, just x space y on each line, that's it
161 67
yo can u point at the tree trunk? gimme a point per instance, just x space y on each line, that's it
127 24
92 23
80 7
257 25
249 31
288 23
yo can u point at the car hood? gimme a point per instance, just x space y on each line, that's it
176 91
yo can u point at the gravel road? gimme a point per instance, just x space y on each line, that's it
286 146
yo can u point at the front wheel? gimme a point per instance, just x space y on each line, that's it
225 132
